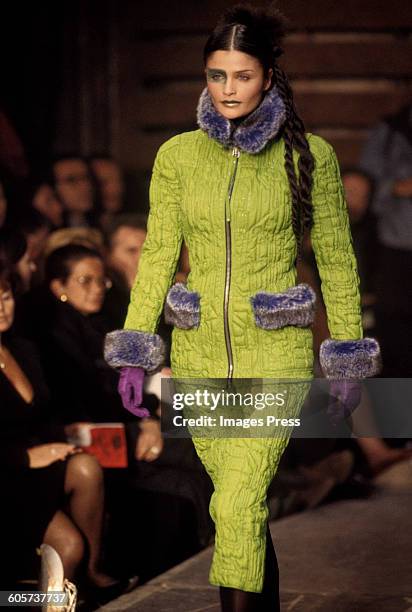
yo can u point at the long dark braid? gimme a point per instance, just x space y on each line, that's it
295 139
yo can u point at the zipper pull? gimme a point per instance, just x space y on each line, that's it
235 152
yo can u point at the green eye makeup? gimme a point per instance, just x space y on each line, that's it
216 76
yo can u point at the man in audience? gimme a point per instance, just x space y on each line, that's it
125 240
74 187
109 179
387 158
358 188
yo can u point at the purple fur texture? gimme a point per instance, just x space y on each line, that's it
253 134
350 359
131 348
182 307
295 306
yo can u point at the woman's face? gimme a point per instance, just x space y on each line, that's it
6 308
85 286
236 82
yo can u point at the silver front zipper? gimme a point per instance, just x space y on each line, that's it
235 154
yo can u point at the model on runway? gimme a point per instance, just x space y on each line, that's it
241 191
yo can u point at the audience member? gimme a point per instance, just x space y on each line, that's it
36 229
124 240
63 319
54 494
87 236
74 187
358 188
387 158
71 344
44 199
109 178
70 333
14 249
12 153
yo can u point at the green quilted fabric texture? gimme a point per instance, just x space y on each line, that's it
241 470
189 201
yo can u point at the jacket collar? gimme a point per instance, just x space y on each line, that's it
252 134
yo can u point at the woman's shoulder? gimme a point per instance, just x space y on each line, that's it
21 348
27 356
181 144
320 148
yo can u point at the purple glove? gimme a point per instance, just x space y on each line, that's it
130 388
344 397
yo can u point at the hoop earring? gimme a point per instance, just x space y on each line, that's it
63 297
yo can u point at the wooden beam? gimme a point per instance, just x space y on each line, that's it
181 57
167 16
176 107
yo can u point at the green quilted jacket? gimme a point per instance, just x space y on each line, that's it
233 210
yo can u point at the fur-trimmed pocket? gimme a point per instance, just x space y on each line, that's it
182 307
295 306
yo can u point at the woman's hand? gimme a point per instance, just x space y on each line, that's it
130 388
344 397
149 443
46 454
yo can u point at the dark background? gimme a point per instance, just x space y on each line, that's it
122 76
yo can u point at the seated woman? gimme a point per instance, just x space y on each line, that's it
41 476
63 319
66 322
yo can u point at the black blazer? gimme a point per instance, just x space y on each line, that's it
83 386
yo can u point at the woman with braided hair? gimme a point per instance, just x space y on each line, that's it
240 191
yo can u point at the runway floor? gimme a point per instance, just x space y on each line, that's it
346 556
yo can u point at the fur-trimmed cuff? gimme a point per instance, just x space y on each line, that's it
295 306
182 307
131 348
350 358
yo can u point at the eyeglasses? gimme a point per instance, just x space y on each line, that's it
87 281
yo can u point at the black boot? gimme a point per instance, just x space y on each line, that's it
235 600
270 601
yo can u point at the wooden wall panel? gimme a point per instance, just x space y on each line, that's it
305 56
162 108
350 64
192 15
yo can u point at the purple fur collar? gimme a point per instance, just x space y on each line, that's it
253 134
